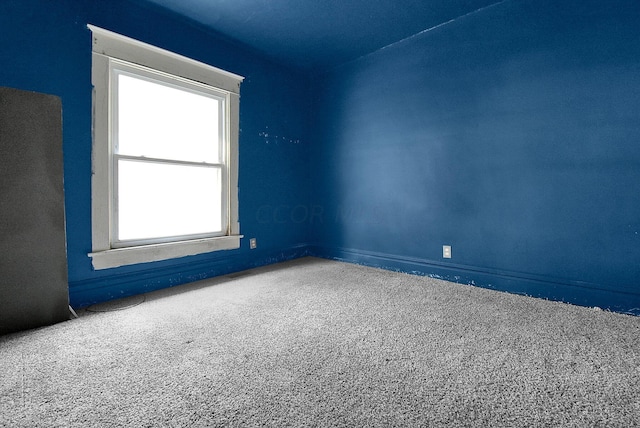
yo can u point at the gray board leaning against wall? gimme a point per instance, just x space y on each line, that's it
34 288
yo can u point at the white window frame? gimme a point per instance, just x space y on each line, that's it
109 48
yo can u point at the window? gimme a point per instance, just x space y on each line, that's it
165 150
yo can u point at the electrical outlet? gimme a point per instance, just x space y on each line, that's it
446 251
253 243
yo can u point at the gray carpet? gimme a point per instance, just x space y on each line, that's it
322 343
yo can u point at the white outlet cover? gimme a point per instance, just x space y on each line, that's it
446 251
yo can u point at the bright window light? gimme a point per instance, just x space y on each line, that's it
160 121
168 140
164 178
164 200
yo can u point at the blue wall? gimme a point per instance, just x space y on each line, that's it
512 134
46 47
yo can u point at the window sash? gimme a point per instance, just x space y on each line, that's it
118 67
221 196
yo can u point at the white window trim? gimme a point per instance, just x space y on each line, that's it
106 45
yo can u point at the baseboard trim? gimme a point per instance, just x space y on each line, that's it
573 292
87 292
90 291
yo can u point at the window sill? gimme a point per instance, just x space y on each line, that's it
156 252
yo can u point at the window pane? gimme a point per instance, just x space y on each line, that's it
161 200
160 121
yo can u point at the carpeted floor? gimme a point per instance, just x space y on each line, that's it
321 343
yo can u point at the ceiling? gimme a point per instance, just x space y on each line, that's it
319 34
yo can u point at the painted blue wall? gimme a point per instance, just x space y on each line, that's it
46 47
512 134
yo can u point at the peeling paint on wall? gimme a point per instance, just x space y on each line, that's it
270 138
